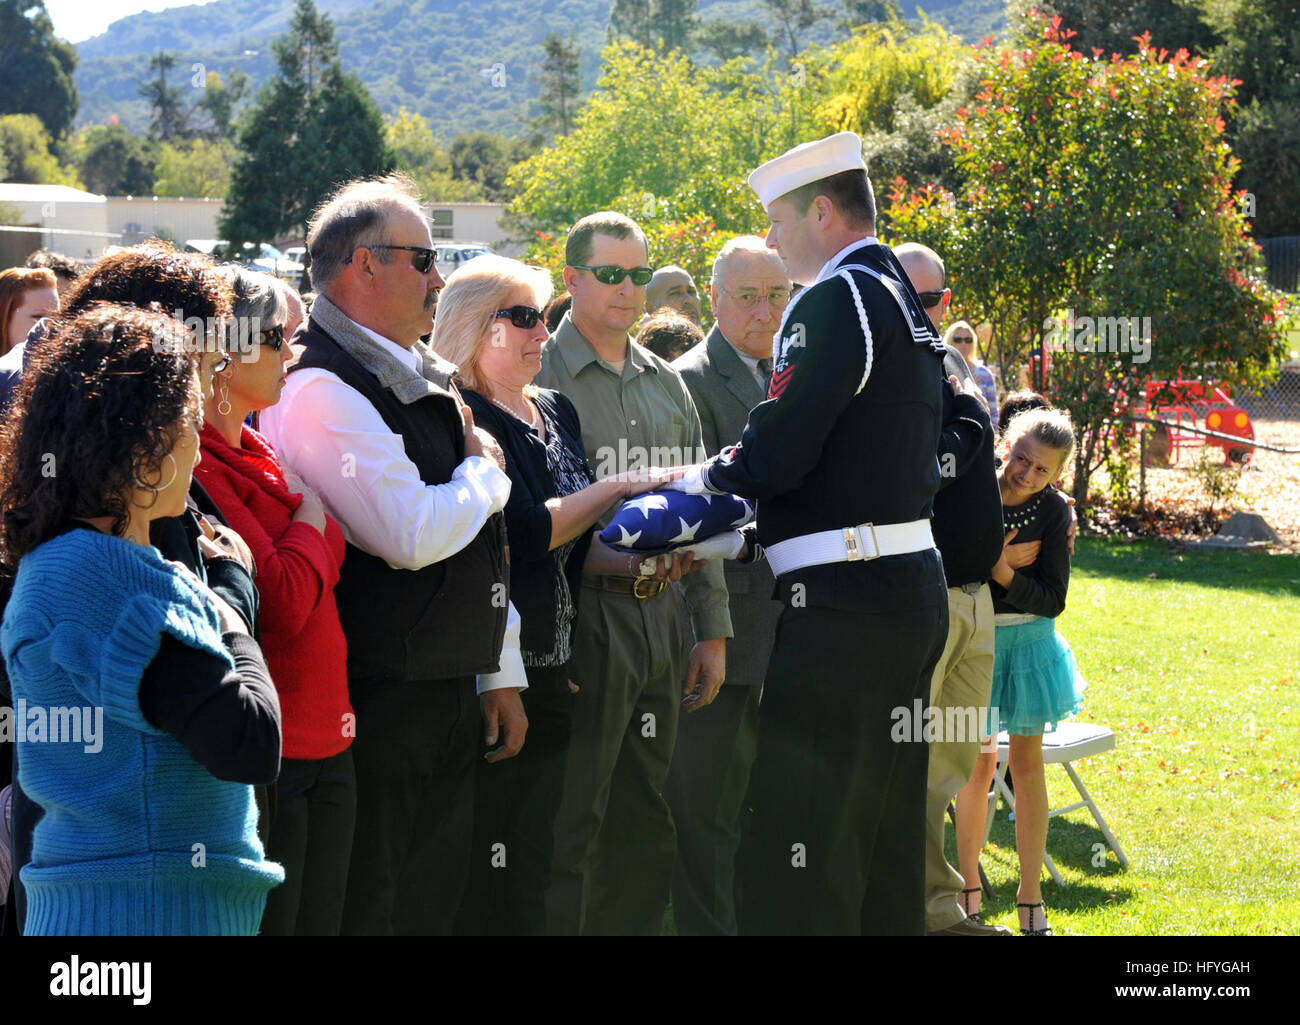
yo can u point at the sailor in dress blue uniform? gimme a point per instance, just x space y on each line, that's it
842 460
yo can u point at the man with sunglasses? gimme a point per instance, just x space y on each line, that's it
614 837
968 532
370 419
728 375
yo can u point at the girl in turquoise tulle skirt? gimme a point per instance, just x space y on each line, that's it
1035 681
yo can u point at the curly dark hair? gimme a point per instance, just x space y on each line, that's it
184 285
68 268
666 330
99 408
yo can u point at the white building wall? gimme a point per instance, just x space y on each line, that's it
174 218
74 222
471 222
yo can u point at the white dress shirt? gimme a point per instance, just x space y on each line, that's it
337 442
829 268
752 363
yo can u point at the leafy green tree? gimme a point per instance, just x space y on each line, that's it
197 168
793 19
561 86
1254 41
1113 26
727 39
169 118
663 139
114 162
866 12
221 103
25 150
1098 189
485 160
655 24
897 87
36 68
417 152
312 127
1261 48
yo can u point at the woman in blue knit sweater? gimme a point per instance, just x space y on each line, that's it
144 709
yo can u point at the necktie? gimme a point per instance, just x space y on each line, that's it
765 373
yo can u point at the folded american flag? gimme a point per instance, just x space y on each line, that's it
663 520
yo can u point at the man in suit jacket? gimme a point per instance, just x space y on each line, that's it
727 376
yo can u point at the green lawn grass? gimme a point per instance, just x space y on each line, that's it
1194 661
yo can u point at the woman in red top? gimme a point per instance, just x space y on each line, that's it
298 551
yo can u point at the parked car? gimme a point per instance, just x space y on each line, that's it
256 256
452 254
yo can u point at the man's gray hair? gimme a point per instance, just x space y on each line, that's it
751 244
356 215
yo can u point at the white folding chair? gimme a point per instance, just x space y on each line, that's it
1067 743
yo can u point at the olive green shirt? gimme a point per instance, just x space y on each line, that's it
643 417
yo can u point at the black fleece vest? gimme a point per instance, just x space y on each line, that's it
448 619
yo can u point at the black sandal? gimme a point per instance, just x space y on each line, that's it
1031 931
965 906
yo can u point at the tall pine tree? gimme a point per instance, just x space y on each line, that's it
561 86
656 24
312 128
169 120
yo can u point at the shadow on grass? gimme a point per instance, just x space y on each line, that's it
1071 845
1241 571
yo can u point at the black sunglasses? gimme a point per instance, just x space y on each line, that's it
521 316
612 275
273 336
931 299
962 339
422 261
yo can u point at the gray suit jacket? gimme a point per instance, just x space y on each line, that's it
725 391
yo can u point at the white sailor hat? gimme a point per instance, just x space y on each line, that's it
808 163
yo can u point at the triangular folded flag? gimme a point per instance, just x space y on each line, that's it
662 520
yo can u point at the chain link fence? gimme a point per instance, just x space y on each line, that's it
1279 399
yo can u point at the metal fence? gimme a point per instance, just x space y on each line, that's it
1280 399
1277 401
1282 260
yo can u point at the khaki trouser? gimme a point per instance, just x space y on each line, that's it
963 680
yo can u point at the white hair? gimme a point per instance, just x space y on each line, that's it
751 244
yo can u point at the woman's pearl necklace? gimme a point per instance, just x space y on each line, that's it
531 408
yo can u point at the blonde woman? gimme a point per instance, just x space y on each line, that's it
490 324
960 337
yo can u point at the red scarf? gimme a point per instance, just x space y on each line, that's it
255 460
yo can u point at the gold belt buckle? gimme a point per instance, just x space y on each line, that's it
636 587
853 549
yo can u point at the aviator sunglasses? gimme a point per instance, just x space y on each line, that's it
612 275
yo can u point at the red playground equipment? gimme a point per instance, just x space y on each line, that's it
1195 404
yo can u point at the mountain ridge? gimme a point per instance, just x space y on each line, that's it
448 79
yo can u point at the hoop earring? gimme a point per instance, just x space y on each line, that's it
176 470
223 407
